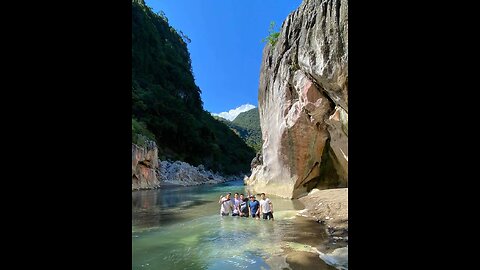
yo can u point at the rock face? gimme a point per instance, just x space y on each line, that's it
144 165
303 103
257 160
184 174
149 173
329 207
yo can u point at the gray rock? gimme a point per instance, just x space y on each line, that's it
257 160
184 174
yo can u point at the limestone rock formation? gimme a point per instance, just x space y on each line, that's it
303 103
144 165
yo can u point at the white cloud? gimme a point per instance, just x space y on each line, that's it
230 115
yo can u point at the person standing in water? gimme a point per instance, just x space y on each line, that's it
243 206
225 205
266 207
236 205
253 207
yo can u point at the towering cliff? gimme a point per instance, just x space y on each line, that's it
166 103
303 103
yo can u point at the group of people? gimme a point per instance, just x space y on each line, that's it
246 207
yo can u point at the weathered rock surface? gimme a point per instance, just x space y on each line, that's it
144 165
257 160
329 207
303 103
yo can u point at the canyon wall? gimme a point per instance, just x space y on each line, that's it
303 103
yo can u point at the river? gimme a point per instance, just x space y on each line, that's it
180 228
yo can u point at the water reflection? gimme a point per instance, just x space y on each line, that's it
180 228
153 208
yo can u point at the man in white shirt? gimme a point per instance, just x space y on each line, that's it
225 205
266 207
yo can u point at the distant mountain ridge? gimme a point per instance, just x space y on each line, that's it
247 126
233 113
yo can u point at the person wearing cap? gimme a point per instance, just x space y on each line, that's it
254 207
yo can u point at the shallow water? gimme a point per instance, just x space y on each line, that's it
180 228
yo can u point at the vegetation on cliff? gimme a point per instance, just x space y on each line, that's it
272 35
166 103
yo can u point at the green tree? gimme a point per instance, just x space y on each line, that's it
247 126
272 34
166 103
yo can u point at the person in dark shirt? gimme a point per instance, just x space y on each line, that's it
243 206
254 207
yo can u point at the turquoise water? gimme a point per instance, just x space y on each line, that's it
180 228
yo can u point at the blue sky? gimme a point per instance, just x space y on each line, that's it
226 47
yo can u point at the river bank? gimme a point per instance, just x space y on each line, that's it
324 246
330 208
181 174
149 172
